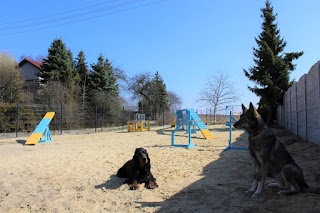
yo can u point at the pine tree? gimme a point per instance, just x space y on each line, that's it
103 87
272 66
81 69
70 76
159 93
113 87
58 63
98 75
102 76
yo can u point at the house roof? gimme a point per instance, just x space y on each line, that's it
33 62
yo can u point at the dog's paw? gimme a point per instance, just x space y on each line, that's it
151 185
273 185
249 192
281 192
256 195
132 187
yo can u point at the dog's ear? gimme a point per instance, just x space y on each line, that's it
244 109
136 151
148 158
253 110
135 158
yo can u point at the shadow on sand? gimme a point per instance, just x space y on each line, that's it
114 183
22 142
225 181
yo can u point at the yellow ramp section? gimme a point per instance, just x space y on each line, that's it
33 139
49 115
207 134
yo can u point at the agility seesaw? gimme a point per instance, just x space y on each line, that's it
42 132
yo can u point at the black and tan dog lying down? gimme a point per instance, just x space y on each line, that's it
138 171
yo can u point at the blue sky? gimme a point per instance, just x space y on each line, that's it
185 40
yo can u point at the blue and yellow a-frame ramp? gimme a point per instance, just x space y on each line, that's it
190 119
42 131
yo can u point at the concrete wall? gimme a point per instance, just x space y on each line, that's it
300 112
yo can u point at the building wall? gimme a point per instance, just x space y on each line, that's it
29 72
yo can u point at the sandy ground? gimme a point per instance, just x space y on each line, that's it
76 173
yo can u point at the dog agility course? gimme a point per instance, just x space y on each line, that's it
77 173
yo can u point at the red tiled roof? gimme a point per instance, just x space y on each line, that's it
34 63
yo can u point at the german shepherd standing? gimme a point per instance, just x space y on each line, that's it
270 158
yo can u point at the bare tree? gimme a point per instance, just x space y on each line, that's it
174 101
139 86
138 83
218 92
11 81
151 92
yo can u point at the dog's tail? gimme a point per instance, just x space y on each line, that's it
313 190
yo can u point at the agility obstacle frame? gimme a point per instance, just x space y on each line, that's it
137 126
230 123
188 120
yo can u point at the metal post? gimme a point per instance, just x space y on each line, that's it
230 130
189 123
102 122
96 117
122 117
206 117
61 119
163 116
17 120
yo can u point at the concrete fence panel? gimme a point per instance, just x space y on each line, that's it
293 104
300 112
313 103
287 110
280 115
301 107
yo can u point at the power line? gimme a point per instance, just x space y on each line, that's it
75 21
57 14
72 16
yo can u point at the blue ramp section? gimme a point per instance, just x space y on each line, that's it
199 123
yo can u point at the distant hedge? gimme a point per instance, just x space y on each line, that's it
11 118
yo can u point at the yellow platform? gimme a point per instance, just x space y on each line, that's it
138 126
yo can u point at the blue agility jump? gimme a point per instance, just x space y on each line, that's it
230 123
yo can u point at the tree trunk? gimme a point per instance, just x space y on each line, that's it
215 115
270 115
